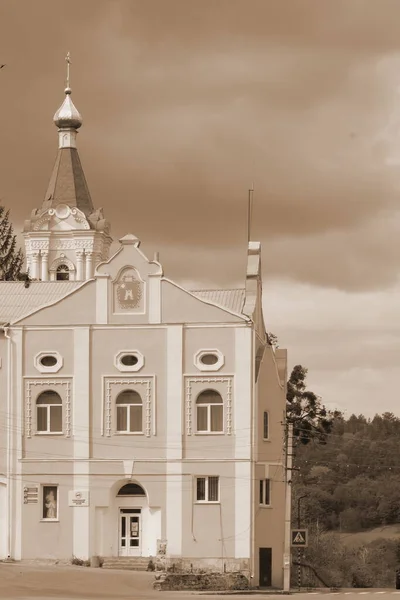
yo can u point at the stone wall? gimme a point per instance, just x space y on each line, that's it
201 581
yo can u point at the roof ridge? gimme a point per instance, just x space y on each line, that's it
218 289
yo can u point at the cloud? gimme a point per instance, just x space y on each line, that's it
185 104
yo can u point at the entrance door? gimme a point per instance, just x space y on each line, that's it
129 532
265 567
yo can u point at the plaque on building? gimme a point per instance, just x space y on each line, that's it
31 495
78 498
128 292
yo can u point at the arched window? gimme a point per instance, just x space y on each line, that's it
62 273
49 412
129 412
210 412
131 489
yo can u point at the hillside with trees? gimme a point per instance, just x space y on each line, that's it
350 482
345 481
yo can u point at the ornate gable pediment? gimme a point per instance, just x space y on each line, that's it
61 218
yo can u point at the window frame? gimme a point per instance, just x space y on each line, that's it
265 492
204 367
129 368
42 368
207 489
50 486
48 407
208 406
63 269
266 438
128 406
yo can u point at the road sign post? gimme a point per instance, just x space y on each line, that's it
299 540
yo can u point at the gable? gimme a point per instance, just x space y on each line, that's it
18 301
180 306
78 308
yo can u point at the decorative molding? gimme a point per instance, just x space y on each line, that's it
49 383
204 367
110 383
228 381
43 369
128 369
37 245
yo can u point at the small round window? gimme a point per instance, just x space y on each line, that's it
129 360
48 361
209 359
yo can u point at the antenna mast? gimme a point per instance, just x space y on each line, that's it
249 212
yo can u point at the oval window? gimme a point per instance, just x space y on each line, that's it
209 359
129 360
48 361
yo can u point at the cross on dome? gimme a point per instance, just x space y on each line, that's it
68 116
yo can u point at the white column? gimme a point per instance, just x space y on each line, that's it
81 437
174 419
243 439
79 266
35 265
45 265
89 265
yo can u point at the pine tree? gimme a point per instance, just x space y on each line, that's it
11 259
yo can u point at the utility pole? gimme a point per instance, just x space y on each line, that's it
288 504
299 549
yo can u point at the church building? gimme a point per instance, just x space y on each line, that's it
138 418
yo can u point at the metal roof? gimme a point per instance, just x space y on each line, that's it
67 183
17 301
231 299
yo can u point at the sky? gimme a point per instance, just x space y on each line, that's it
185 105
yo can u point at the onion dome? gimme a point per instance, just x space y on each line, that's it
67 115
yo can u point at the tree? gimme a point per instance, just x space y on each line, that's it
310 418
11 259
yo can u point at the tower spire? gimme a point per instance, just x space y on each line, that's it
67 118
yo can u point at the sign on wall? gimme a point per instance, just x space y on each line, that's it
31 495
299 538
78 498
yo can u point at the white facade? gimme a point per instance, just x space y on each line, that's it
112 376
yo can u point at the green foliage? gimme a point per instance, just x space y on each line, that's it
11 259
311 420
352 482
364 566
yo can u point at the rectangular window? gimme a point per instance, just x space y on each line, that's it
50 503
207 489
136 419
217 417
266 426
265 492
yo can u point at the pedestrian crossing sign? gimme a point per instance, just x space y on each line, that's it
300 538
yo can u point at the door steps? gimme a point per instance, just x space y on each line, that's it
128 563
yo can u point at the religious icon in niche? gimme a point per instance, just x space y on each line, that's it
50 502
129 291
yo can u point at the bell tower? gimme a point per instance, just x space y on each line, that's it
66 237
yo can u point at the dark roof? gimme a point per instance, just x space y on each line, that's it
68 184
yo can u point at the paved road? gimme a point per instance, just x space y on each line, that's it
28 582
